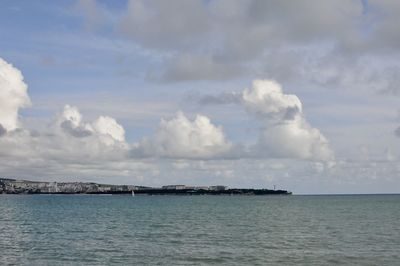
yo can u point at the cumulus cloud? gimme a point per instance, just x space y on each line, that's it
69 147
72 140
70 121
13 95
286 132
294 138
266 99
105 127
182 138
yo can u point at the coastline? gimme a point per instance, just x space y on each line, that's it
14 186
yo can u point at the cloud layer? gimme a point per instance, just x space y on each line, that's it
219 39
330 44
285 131
121 61
184 148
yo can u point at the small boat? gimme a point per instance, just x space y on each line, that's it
133 193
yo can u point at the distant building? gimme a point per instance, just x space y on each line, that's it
104 188
202 188
217 188
53 187
176 187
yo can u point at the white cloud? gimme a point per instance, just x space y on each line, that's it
69 147
286 132
315 47
72 114
108 126
13 96
75 149
266 99
70 120
104 127
294 139
183 138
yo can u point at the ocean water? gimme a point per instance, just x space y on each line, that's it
199 230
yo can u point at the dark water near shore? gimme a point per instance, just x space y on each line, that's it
199 230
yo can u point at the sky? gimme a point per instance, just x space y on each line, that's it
302 95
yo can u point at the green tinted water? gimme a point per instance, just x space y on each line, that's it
198 230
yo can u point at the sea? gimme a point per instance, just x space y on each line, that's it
199 230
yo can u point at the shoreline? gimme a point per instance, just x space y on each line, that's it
14 186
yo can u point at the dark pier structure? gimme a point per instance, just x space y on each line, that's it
233 191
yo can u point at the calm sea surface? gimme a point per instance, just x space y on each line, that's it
199 230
